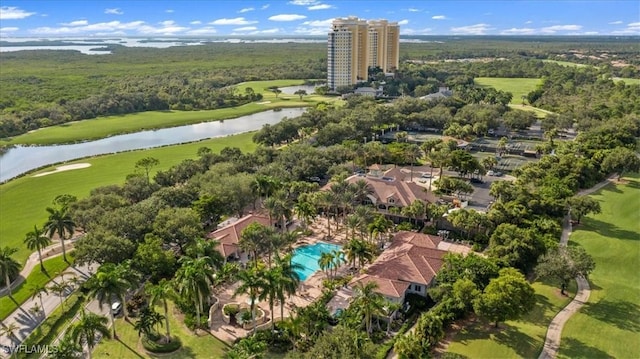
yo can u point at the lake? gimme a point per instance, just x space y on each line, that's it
22 159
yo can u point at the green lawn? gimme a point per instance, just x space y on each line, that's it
627 80
609 325
514 339
112 125
53 266
34 194
517 86
128 345
540 113
566 63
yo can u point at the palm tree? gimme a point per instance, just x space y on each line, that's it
61 223
337 259
368 301
59 288
270 286
37 240
361 190
67 348
290 279
9 267
10 331
251 283
107 284
160 293
389 309
87 327
305 210
38 290
413 152
358 250
194 280
255 239
147 321
324 262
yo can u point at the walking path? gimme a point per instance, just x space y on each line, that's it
27 321
33 261
554 333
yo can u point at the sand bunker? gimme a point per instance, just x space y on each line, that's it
64 168
263 102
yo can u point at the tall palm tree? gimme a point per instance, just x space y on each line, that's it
60 222
251 283
358 250
255 239
38 290
361 190
389 309
194 280
290 279
160 293
9 267
412 153
67 348
87 327
305 210
269 290
324 262
368 301
59 289
106 285
10 331
37 240
337 259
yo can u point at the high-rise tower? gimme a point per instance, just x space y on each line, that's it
355 45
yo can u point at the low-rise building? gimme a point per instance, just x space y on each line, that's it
229 236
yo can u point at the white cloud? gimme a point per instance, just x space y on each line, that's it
115 11
553 29
4 30
269 31
287 17
169 11
439 17
313 30
196 22
477 29
520 31
207 30
76 23
303 2
424 31
319 23
234 21
246 9
590 33
246 28
13 13
413 10
320 7
168 27
265 6
528 22
615 22
403 22
632 28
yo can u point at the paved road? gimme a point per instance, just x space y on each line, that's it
554 333
26 320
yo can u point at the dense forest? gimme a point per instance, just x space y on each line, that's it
44 88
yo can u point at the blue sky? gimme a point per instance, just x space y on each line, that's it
313 17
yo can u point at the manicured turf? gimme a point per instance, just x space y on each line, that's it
112 125
565 63
517 86
25 199
627 80
609 325
514 339
53 266
540 113
128 345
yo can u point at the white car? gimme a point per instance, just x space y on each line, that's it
491 173
116 308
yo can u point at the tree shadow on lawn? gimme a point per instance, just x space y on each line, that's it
524 345
130 349
608 230
573 348
621 314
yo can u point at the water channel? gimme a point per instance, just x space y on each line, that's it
22 159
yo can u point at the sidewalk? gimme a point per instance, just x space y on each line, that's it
33 261
554 333
27 322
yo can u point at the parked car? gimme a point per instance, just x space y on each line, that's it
491 173
426 175
476 180
116 308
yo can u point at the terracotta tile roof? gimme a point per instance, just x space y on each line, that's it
387 287
419 239
229 236
404 193
411 258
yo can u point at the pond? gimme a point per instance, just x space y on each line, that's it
291 90
21 159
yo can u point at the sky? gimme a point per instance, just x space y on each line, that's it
148 18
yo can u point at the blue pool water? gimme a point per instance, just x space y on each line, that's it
307 256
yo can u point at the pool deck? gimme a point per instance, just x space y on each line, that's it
308 290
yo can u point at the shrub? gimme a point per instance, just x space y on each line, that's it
231 309
153 344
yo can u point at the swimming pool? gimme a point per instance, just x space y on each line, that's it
307 256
